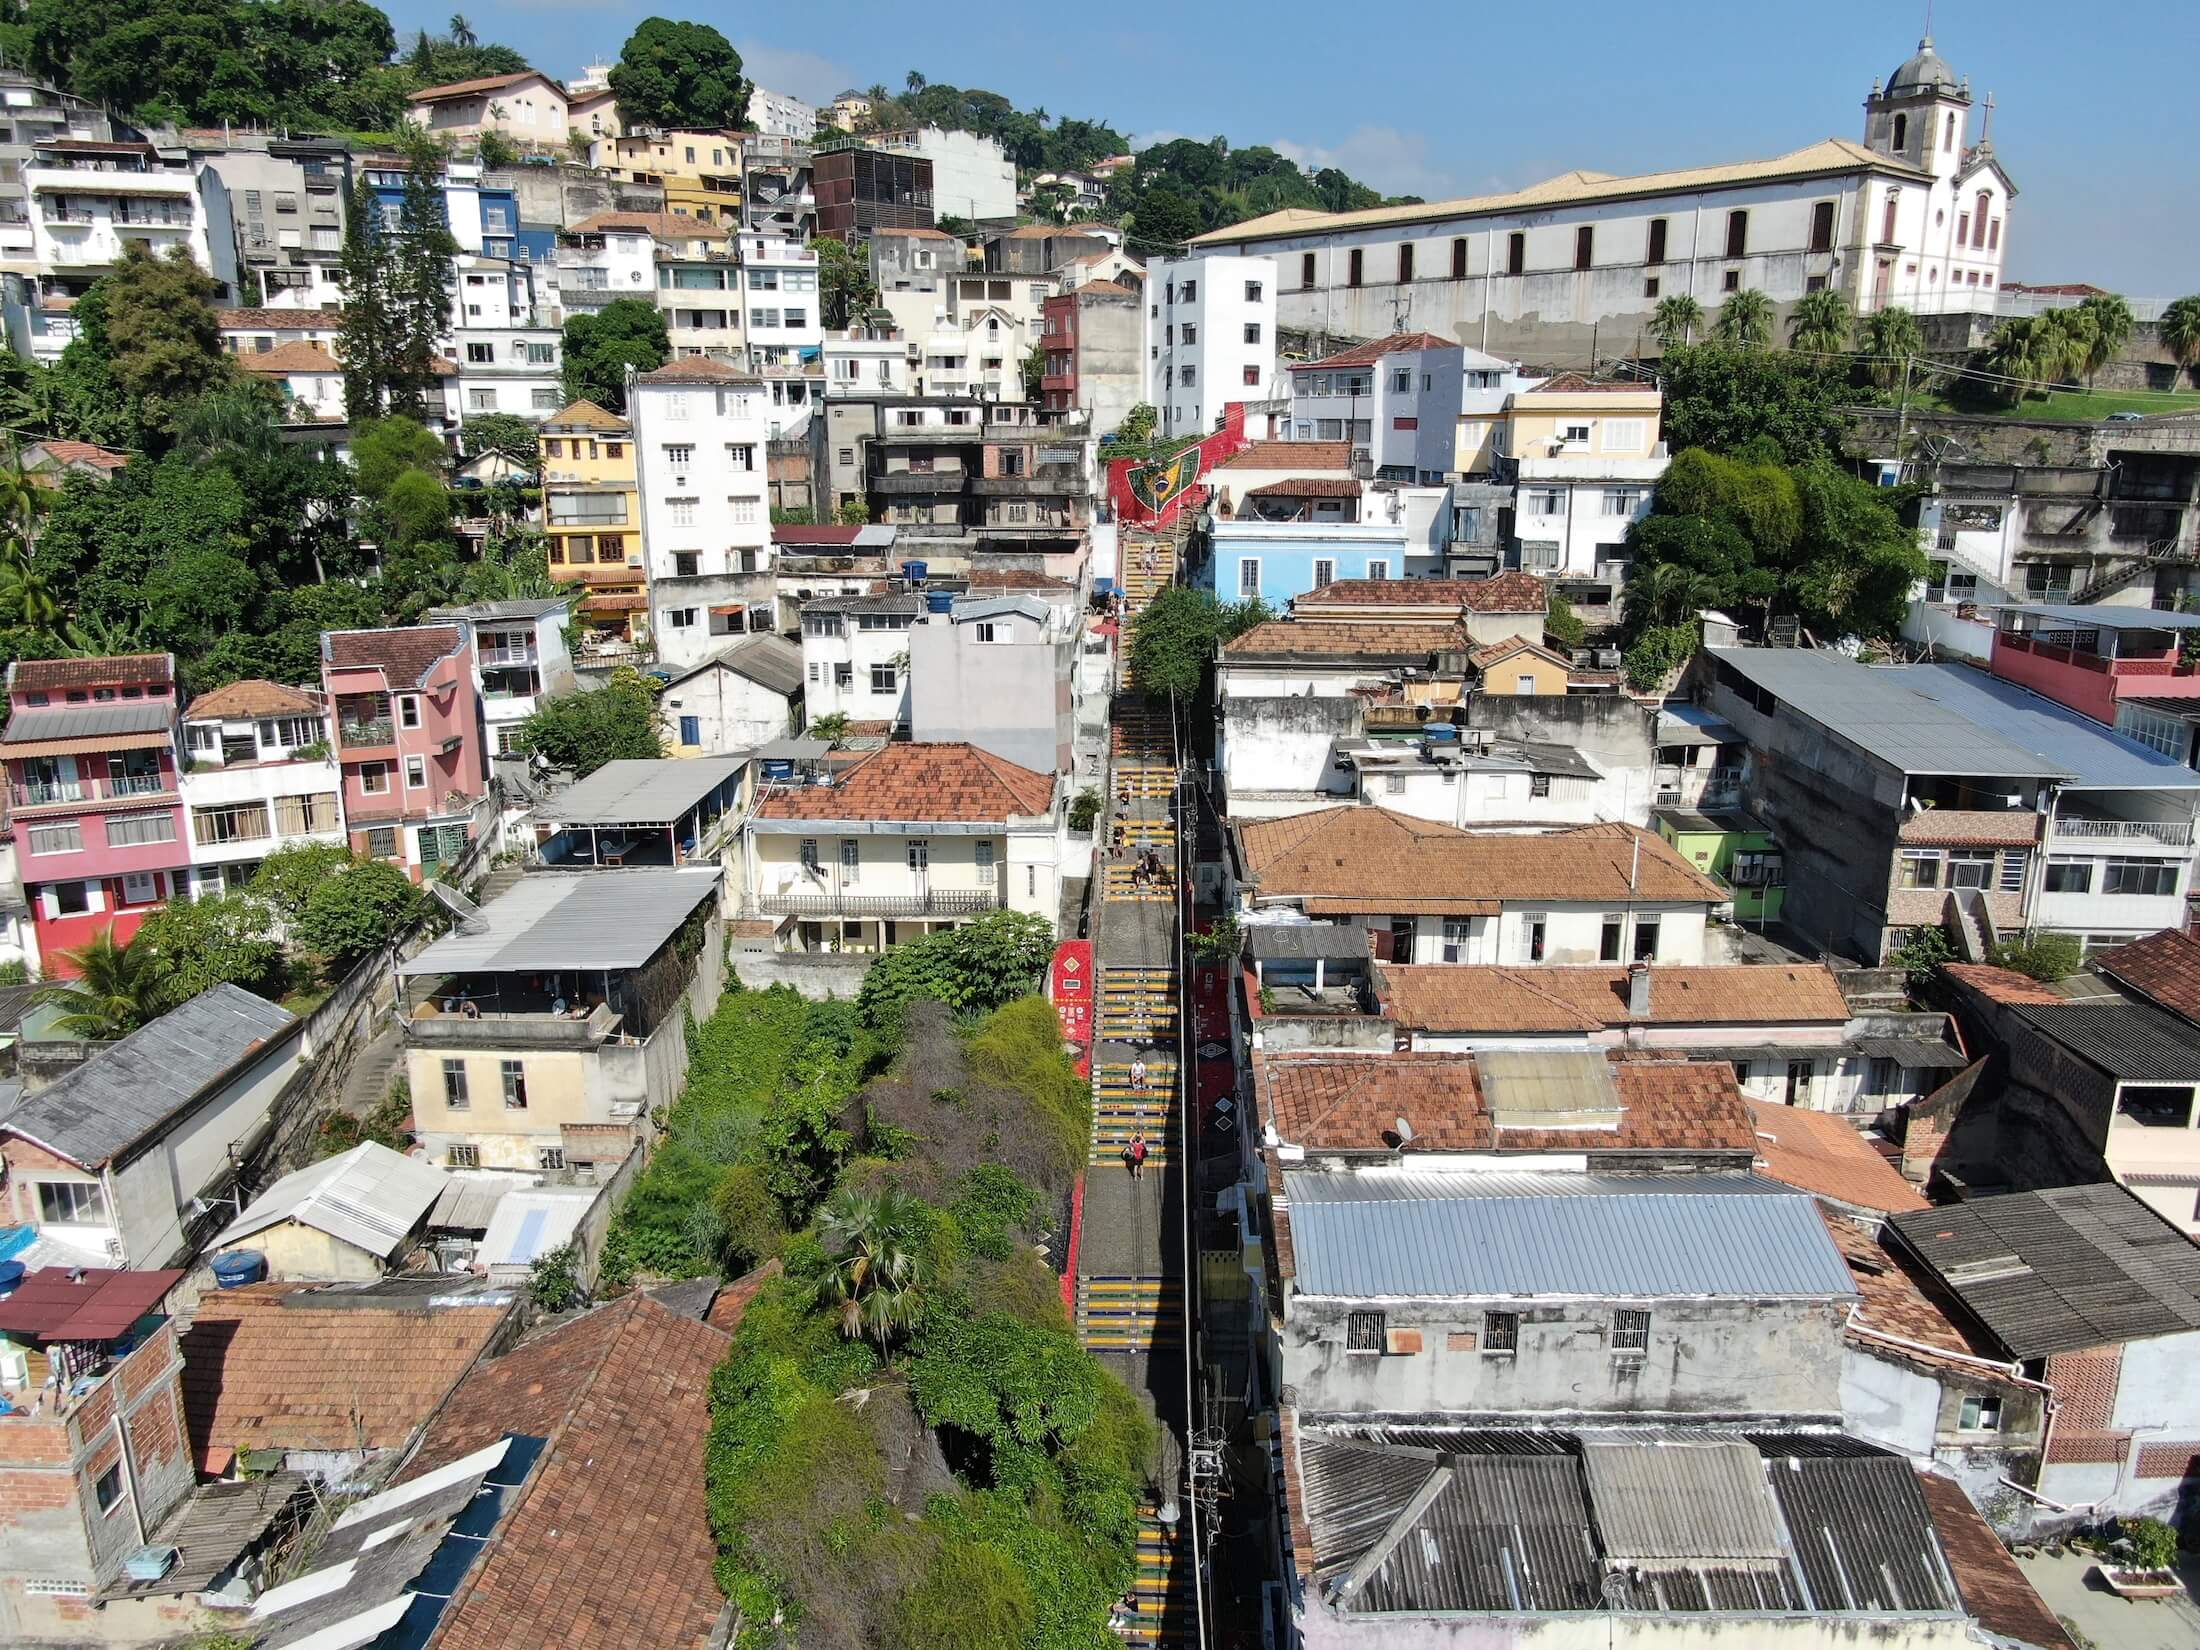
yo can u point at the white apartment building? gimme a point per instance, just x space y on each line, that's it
1487 383
785 324
868 361
259 775
702 303
701 427
775 114
491 293
611 255
972 176
855 657
89 200
1916 214
1211 337
508 369
978 352
520 657
1396 400
1585 457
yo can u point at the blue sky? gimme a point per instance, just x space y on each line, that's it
1431 98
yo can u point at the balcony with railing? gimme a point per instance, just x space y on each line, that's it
915 902
2089 665
31 795
2146 834
367 733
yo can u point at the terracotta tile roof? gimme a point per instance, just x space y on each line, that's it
266 1367
1505 593
1363 355
732 1302
946 783
1292 455
487 83
405 655
1035 232
252 698
984 581
1101 289
1308 487
55 675
609 1540
1823 1154
1348 638
1482 658
2013 825
1351 859
1574 383
2001 985
1993 1589
829 534
1465 997
699 369
83 452
2164 967
664 226
584 414
1448 594
296 356
279 320
1352 1102
1893 1301
918 234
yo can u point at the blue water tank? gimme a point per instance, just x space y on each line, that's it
778 768
11 1274
1437 732
1106 587
940 601
239 1267
915 571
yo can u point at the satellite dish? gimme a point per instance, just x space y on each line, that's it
1405 1132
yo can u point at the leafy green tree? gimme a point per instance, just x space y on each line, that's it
1164 219
599 347
1173 641
2045 957
1562 624
1857 562
583 731
382 449
1821 322
1922 956
1726 399
973 968
1745 320
1676 320
506 434
157 328
287 878
844 284
2110 324
878 1273
117 988
363 907
1657 652
2179 330
213 940
1891 338
853 512
554 1280
679 76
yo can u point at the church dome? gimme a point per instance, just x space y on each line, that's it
1926 70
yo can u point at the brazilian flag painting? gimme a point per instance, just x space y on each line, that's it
1156 486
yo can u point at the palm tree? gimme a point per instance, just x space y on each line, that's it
878 1274
2112 323
1891 337
105 637
2031 351
915 82
462 32
1745 320
27 597
1820 323
1669 593
116 989
2180 330
1675 320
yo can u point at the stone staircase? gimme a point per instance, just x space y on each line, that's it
1128 1313
1120 1111
1138 1005
1162 1612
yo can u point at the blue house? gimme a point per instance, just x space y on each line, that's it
1277 561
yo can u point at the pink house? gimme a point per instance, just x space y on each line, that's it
2093 658
408 740
93 802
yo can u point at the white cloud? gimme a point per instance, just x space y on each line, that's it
1381 157
1146 140
801 74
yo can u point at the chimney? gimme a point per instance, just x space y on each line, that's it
1638 991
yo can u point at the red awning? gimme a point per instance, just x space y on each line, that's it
95 1304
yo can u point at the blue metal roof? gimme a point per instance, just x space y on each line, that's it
2093 756
1384 1233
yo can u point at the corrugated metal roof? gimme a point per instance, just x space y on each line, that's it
1698 1501
2133 1042
1693 725
1504 1532
1912 1052
2092 755
529 1223
124 1095
36 723
1861 1534
1386 1233
1350 1492
644 790
581 919
466 1202
1276 941
369 1197
1877 711
2061 1270
992 607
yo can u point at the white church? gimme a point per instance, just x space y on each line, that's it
1917 214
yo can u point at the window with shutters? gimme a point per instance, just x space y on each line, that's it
1516 253
1365 1332
1656 254
1737 234
1821 226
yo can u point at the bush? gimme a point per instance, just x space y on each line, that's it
15 973
1657 652
1561 623
218 939
1084 810
554 1281
972 969
748 1217
1922 955
2153 1543
971 1598
2047 957
362 908
992 1208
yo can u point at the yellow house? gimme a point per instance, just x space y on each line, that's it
700 171
1584 456
592 513
1583 422
1519 666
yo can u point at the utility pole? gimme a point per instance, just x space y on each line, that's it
1902 420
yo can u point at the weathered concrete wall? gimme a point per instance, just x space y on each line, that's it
1706 1357
820 976
1609 728
1322 1628
1285 744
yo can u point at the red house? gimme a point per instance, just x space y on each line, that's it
2093 658
93 804
408 741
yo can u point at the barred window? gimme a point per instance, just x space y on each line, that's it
462 1157
1500 1332
1630 1331
1365 1332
